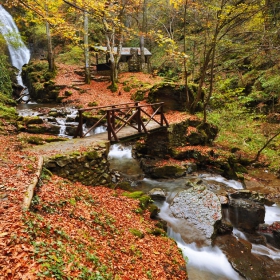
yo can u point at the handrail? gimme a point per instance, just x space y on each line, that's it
120 115
108 106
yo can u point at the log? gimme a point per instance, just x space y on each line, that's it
30 189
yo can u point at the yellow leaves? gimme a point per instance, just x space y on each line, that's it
177 4
3 234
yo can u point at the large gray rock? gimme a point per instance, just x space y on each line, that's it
200 207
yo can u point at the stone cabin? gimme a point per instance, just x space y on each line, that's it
129 61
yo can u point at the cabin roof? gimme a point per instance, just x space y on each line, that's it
125 50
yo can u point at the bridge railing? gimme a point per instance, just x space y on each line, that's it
127 114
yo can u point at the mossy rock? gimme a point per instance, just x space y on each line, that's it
59 99
157 232
196 138
92 119
34 140
124 186
138 96
49 75
68 93
239 168
37 129
92 155
168 171
144 200
32 120
57 139
53 94
8 113
134 195
154 210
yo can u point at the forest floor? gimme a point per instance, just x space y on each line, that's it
74 231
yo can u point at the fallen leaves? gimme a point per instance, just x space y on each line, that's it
77 231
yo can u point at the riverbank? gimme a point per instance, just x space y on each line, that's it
74 230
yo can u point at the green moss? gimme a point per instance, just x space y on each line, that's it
75 154
73 55
135 195
138 96
5 76
124 186
154 210
57 156
52 139
92 104
127 88
157 232
113 87
144 200
7 113
137 232
35 140
91 155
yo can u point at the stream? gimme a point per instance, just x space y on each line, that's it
203 261
64 120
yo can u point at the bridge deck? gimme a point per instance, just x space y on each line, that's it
76 144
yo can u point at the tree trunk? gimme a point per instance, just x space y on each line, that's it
142 39
86 49
142 53
50 56
188 102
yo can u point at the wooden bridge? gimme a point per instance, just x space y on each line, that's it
124 120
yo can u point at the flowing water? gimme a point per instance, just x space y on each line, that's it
272 214
203 261
66 119
19 53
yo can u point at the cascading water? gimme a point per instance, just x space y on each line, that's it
203 261
19 53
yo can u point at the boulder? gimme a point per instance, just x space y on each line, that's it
157 194
271 233
246 211
200 207
238 252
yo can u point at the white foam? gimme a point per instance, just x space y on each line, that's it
207 258
218 178
263 250
272 214
120 151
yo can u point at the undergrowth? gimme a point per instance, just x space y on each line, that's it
242 130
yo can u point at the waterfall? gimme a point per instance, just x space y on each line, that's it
19 53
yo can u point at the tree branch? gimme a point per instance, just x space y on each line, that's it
264 146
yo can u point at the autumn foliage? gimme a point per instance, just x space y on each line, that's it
74 231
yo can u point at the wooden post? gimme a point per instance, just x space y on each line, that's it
161 115
109 125
138 118
79 131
